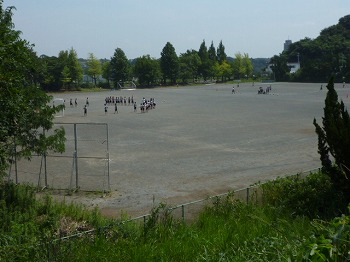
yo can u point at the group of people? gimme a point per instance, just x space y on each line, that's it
115 101
71 102
119 100
87 103
147 105
266 91
261 90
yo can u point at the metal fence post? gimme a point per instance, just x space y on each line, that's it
15 156
45 162
183 212
247 195
45 169
108 181
144 223
76 156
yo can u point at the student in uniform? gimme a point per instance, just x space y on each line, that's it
85 110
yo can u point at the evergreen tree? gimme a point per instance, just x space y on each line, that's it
64 72
334 140
169 63
205 66
220 53
212 60
119 68
212 53
75 68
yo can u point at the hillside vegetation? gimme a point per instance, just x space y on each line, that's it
326 56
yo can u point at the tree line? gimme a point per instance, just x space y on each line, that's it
66 70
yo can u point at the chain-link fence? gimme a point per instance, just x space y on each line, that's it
84 164
190 210
186 212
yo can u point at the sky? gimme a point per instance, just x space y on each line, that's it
143 27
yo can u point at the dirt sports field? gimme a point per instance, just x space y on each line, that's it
201 141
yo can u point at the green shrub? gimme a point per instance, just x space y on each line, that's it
313 196
330 241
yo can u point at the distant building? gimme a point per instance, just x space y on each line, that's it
294 67
287 43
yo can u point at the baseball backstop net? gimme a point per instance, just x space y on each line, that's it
84 164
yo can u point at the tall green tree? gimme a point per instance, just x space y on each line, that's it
51 73
205 69
94 68
242 65
220 53
169 63
247 64
189 65
334 140
212 53
279 68
119 68
75 68
212 60
25 111
66 77
64 72
71 71
106 71
224 71
147 70
238 66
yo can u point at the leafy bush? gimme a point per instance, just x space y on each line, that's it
334 140
329 241
313 196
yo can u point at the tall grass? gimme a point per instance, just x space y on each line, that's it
287 226
245 233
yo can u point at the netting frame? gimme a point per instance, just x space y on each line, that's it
59 101
40 164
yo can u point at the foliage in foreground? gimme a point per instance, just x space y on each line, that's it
334 140
27 223
25 111
314 196
226 230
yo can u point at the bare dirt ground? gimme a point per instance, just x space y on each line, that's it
199 141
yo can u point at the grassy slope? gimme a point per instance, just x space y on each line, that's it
227 230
